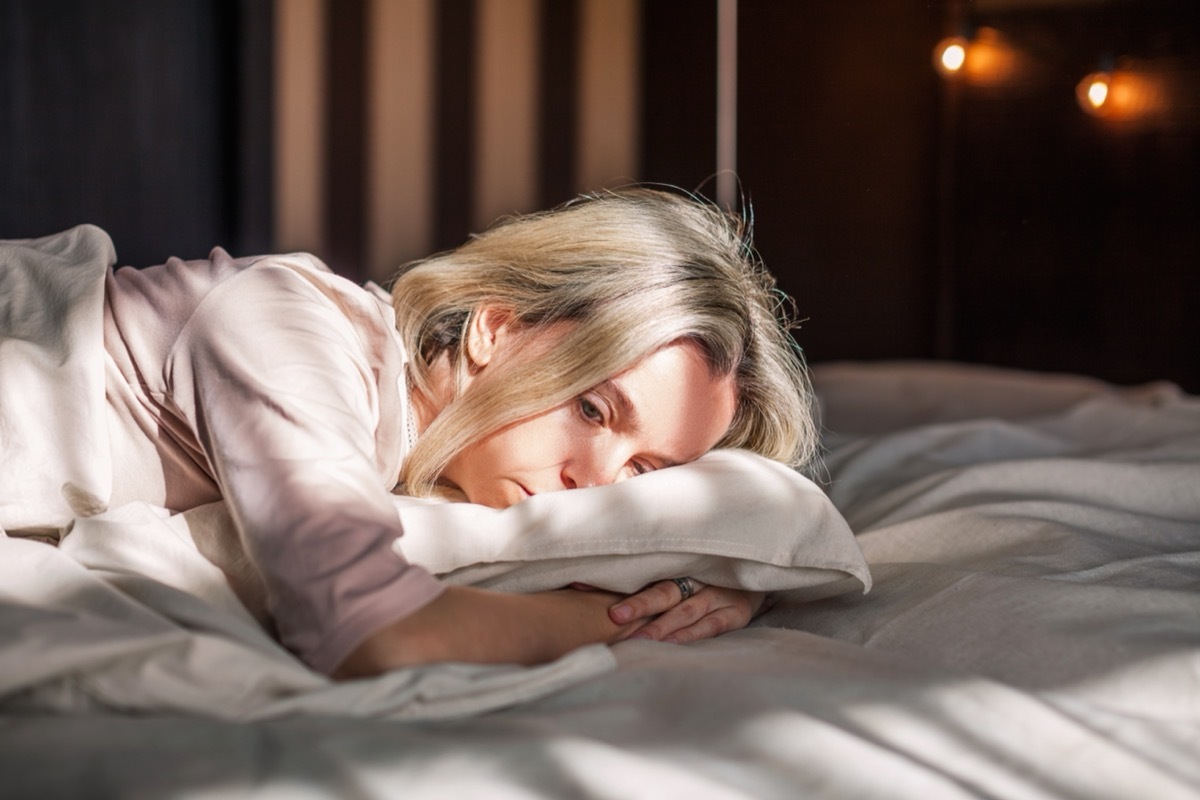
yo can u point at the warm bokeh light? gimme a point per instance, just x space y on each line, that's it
987 59
1132 91
1096 88
950 55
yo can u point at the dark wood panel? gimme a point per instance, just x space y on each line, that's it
837 123
250 144
121 114
679 104
912 217
558 115
1077 239
454 122
346 139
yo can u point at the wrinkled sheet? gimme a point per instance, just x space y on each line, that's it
141 610
95 625
1033 631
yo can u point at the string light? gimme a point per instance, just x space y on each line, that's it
1124 90
1127 91
986 58
950 54
1093 91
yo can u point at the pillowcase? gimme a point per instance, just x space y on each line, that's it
731 518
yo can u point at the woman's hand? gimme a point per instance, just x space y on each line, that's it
709 611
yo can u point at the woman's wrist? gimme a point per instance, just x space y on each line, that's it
473 625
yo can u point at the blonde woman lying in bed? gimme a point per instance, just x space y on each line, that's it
615 335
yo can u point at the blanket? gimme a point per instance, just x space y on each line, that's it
142 609
1033 632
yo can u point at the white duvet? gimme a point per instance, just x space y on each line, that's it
1033 631
130 611
142 610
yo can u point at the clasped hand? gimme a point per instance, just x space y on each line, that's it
667 616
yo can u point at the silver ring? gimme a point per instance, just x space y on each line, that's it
686 589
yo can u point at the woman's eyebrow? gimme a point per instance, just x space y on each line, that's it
629 413
628 410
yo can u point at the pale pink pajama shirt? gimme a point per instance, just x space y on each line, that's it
279 387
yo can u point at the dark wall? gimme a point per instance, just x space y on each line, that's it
837 110
914 217
1077 239
908 216
679 106
148 118
837 106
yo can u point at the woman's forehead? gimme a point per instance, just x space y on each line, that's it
674 402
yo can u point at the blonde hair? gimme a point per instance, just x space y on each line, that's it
635 270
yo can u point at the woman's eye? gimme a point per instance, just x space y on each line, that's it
590 410
640 468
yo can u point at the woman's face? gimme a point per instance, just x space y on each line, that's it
665 410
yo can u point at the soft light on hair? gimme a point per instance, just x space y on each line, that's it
635 270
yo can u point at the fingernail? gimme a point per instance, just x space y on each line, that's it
621 613
641 635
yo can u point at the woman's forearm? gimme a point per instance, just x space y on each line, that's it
474 625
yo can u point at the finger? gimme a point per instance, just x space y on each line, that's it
731 609
720 621
678 618
710 612
654 599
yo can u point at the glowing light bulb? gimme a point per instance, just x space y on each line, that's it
953 57
988 58
950 55
1095 93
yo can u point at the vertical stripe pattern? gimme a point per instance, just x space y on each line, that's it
506 140
345 139
727 104
299 126
404 125
559 105
453 152
399 134
609 94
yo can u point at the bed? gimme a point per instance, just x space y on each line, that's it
1033 630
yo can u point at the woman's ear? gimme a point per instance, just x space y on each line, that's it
487 333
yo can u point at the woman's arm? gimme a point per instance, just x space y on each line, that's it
475 625
281 374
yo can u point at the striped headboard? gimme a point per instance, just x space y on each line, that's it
403 125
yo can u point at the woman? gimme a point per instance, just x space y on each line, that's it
617 334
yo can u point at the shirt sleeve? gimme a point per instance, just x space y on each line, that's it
275 383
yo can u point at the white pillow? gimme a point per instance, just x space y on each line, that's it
731 518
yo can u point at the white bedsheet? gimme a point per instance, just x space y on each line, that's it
1033 631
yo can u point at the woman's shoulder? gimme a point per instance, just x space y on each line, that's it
304 277
197 277
177 288
152 307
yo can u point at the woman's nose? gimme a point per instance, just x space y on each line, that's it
597 467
